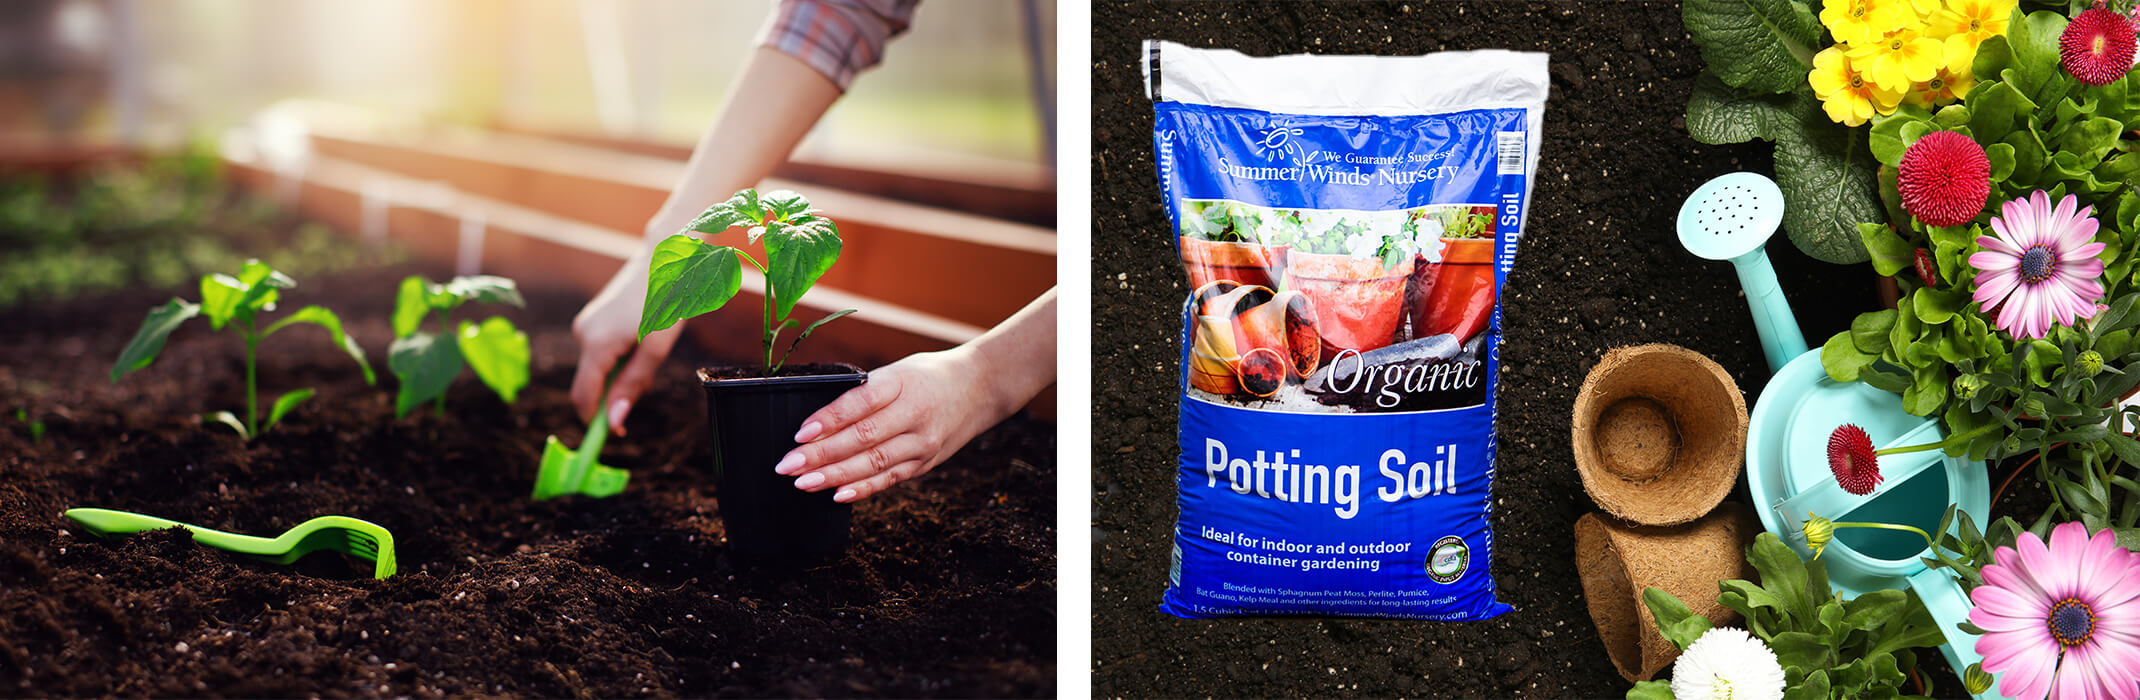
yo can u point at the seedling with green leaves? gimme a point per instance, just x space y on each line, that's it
688 277
427 362
238 302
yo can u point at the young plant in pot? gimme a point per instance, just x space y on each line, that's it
1231 241
755 411
1453 294
1355 279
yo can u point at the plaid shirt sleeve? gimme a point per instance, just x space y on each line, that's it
839 38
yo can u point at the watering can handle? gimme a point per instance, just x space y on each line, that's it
1780 338
1943 596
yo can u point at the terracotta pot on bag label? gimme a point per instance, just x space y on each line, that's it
1358 303
1454 296
1243 263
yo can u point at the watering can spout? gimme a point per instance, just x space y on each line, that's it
1731 218
1778 328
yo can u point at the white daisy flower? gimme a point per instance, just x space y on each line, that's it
1726 662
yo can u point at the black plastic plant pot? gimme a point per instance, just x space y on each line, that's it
754 421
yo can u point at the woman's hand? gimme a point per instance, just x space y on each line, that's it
913 414
608 331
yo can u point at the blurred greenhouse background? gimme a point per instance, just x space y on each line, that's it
961 83
147 141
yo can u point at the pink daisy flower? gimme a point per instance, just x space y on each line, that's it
2062 619
2041 267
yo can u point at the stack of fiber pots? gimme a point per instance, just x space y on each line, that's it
1659 437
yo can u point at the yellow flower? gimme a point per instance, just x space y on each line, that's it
1858 21
1900 60
1970 22
1953 82
1848 97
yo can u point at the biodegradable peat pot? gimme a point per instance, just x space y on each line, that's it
1358 304
1617 561
753 422
1454 296
1659 434
1244 263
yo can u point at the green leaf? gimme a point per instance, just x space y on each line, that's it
149 340
785 205
487 289
1869 330
498 353
2126 448
1843 359
320 316
1993 56
426 366
2092 139
1760 45
283 406
1927 392
739 209
231 419
219 298
1873 609
1814 687
1827 178
687 277
1993 111
797 254
2001 156
1650 690
1679 624
1936 306
2035 69
1799 649
1889 253
1719 114
1782 573
411 304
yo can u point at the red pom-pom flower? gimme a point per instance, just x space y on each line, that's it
2097 47
1850 456
1944 179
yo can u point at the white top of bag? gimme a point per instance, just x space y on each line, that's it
1447 81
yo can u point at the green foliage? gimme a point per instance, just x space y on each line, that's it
1828 647
1223 222
688 277
426 362
1759 52
237 301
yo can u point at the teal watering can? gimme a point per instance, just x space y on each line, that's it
1731 218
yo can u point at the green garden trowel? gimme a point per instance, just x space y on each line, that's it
566 471
350 536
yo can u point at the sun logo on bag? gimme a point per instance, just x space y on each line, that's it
1280 140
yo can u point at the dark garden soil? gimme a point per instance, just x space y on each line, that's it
1600 267
948 590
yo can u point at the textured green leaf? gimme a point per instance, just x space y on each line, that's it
1814 687
1782 573
283 405
320 316
1798 649
149 340
1873 609
785 205
1890 254
1826 175
739 209
1761 45
2035 69
426 365
411 304
687 277
2092 139
498 353
1994 110
1718 113
797 253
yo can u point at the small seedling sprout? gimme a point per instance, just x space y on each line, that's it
427 362
238 302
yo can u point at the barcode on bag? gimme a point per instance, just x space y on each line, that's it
1511 160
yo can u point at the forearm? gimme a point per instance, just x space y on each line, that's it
767 112
1016 359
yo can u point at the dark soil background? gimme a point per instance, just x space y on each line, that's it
1600 267
948 589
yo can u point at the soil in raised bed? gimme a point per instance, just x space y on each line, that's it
1599 267
948 589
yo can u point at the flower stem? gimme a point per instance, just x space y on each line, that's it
1959 439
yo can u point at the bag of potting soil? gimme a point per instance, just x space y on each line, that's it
1346 223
